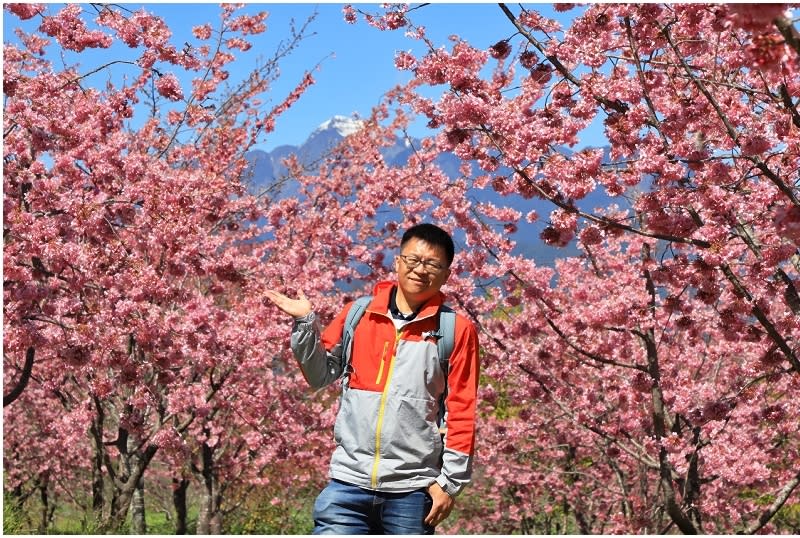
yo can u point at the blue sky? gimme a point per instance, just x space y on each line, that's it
356 62
361 67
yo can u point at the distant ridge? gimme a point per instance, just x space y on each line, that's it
268 173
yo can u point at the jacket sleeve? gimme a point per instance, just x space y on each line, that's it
461 403
319 352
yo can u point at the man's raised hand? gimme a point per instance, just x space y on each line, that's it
297 308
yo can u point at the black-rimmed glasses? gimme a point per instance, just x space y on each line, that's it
432 267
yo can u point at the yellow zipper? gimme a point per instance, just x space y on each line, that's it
381 412
383 361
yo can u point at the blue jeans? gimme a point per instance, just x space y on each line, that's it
346 509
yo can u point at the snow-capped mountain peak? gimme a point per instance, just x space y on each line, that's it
341 124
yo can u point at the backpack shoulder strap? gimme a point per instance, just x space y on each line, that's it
350 321
447 330
445 343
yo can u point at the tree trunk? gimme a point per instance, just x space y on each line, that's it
17 500
98 496
210 518
121 503
138 523
112 522
179 487
47 509
660 416
42 525
126 486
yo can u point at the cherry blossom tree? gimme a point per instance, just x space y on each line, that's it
131 273
644 385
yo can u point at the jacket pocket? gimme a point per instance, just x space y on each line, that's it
354 429
415 438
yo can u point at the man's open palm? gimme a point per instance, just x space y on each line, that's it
297 308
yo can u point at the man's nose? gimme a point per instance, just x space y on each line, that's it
420 270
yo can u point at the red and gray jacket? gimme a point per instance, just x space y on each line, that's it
386 432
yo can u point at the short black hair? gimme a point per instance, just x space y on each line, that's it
433 235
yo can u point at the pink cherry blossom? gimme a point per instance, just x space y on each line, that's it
26 11
349 14
169 86
202 31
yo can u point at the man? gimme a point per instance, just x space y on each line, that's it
394 471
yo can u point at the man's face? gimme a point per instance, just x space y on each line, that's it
423 281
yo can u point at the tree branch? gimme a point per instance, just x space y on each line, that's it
789 33
661 419
761 165
615 105
768 514
776 337
604 221
641 457
27 368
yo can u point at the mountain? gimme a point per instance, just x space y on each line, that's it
268 173
341 125
267 166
